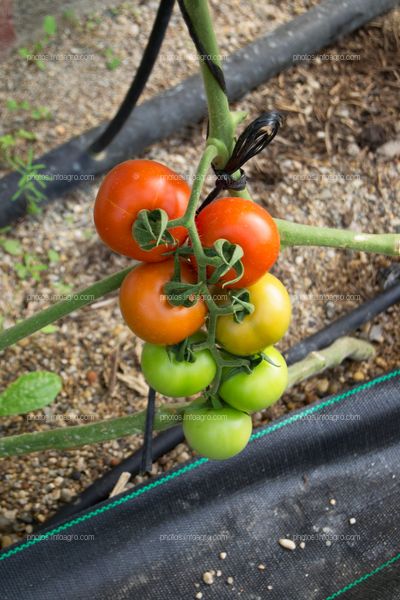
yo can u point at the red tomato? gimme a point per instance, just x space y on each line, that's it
130 187
147 311
245 223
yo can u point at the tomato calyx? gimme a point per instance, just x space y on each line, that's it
180 293
150 229
241 305
226 256
249 363
182 352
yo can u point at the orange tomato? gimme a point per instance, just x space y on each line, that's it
146 309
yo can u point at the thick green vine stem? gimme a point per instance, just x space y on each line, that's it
294 234
221 121
168 415
65 307
334 355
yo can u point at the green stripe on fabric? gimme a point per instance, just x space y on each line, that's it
363 578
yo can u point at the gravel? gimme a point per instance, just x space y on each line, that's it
323 169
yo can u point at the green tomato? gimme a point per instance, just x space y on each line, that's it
176 378
260 388
217 433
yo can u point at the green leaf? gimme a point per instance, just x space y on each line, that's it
21 270
7 141
33 208
150 229
41 112
30 392
113 63
24 52
25 105
12 247
40 64
12 104
25 135
49 25
53 255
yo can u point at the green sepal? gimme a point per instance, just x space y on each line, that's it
150 229
269 360
180 293
241 304
182 352
230 258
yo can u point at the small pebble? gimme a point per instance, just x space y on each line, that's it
352 521
229 581
358 376
222 555
332 501
288 544
381 362
323 386
302 545
261 567
183 457
208 578
199 595
328 543
6 525
219 573
269 587
66 495
6 540
375 334
91 377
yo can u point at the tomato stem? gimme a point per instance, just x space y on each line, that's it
222 123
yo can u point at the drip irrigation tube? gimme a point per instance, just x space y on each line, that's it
72 164
147 63
165 441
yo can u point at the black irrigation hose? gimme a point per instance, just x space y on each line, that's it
70 164
143 72
344 325
167 440
147 449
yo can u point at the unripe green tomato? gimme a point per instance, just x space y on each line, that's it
260 388
217 433
173 378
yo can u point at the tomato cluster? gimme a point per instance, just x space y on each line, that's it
176 359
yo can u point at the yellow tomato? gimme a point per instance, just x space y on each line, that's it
264 326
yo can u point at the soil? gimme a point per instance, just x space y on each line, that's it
327 167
